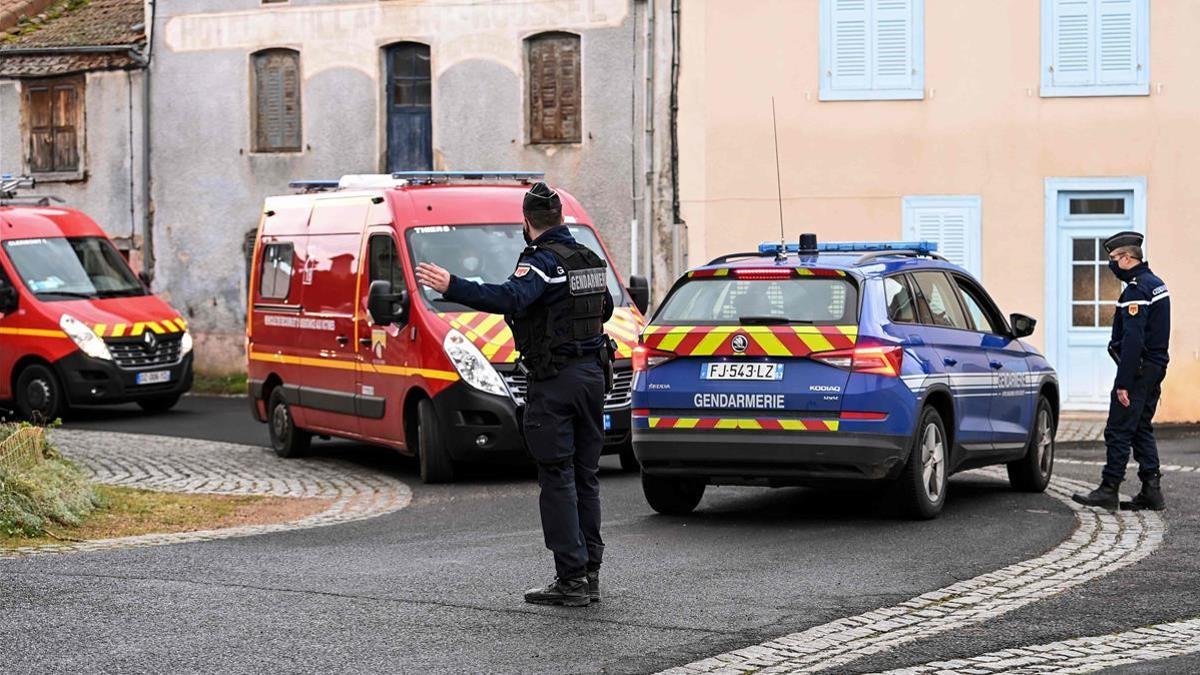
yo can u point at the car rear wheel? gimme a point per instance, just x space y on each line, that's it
1032 472
436 465
922 486
286 439
672 495
160 404
39 397
628 459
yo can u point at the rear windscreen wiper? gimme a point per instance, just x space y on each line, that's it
763 320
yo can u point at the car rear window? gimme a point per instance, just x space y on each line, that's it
733 301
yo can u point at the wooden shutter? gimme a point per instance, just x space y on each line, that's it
1118 42
554 91
952 222
53 115
892 44
849 39
277 122
1073 47
872 46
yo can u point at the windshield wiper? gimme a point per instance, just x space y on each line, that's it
69 294
125 293
763 320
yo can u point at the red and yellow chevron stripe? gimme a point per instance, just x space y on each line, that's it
493 337
762 340
796 272
742 423
136 328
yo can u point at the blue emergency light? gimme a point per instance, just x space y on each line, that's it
434 176
918 247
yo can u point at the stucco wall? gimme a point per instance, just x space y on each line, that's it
208 187
111 194
982 130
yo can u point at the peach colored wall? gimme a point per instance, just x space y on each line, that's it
982 129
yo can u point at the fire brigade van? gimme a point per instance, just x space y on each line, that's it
77 326
341 341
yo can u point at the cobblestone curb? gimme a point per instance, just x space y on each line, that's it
1079 655
195 466
1173 468
1101 544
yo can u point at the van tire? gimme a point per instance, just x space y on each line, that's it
921 489
39 398
1032 472
673 495
287 440
159 404
436 465
629 460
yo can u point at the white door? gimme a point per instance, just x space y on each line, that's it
1087 293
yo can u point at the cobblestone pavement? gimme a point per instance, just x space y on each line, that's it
1102 543
197 466
1080 429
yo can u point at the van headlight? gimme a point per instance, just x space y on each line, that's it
84 337
185 344
471 365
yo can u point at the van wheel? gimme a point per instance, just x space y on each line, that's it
628 459
436 465
160 404
1032 472
286 439
671 495
922 485
39 397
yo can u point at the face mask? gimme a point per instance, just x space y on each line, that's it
1123 275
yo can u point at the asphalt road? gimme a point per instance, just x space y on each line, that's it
436 587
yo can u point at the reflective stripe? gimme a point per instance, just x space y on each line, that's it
339 364
33 332
548 279
1160 297
1133 302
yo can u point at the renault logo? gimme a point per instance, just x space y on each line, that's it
740 342
151 341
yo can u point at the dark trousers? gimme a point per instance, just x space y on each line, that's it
564 429
1130 427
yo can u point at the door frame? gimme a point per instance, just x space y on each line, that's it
383 86
1053 188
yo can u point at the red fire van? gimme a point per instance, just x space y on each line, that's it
77 326
342 342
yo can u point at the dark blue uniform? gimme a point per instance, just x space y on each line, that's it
1140 334
564 414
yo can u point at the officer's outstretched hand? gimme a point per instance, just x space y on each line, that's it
433 276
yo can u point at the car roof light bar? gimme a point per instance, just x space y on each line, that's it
428 177
918 247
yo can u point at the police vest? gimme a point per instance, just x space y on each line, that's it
547 332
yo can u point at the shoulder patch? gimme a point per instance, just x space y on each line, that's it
1160 289
521 270
1133 310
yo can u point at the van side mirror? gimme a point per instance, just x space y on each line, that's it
639 292
1022 325
386 307
8 298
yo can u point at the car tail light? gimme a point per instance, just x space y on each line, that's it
641 412
862 415
868 356
645 358
762 273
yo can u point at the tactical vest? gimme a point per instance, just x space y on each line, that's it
547 331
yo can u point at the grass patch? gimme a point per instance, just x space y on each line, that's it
227 385
50 494
125 512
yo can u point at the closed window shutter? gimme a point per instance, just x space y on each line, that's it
1118 43
892 44
849 37
277 100
1073 42
52 111
554 92
1095 42
951 222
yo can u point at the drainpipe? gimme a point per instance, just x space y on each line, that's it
647 252
678 227
147 200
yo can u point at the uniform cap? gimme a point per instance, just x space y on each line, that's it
541 197
1123 239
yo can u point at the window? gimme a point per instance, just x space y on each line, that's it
939 302
276 280
872 50
901 307
54 119
554 96
953 222
1095 47
384 262
275 85
724 300
62 268
980 310
1094 290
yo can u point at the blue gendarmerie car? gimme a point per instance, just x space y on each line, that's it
808 363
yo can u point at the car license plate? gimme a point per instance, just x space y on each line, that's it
607 422
732 370
153 377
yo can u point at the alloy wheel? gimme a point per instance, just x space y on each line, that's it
933 462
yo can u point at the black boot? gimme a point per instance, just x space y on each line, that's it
567 592
1106 496
593 578
1149 499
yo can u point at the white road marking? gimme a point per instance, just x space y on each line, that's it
1102 543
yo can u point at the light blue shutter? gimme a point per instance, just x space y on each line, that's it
951 221
1118 42
892 44
849 39
1073 42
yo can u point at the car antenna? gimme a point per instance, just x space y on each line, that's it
782 253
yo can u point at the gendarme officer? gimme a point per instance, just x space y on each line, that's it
1140 332
556 303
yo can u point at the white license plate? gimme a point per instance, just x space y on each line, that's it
731 370
153 377
607 422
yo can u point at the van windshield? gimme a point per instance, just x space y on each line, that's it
761 302
486 254
64 268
